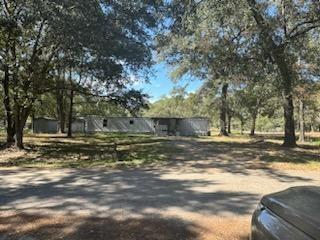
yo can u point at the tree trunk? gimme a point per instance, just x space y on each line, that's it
10 132
223 110
61 114
20 122
32 121
21 115
70 114
242 127
6 102
229 123
253 125
6 99
301 121
287 76
289 136
19 138
286 71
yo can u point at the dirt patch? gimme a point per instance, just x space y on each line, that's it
9 155
14 226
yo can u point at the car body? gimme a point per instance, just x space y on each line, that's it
293 214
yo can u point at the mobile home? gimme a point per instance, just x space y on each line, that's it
44 125
198 126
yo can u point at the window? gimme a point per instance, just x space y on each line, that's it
131 122
105 122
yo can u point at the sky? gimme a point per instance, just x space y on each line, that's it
161 84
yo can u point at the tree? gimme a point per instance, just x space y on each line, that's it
205 42
251 31
170 106
308 68
279 30
2 111
257 98
40 40
306 98
178 104
33 34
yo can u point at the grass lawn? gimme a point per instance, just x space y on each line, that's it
56 151
266 151
87 151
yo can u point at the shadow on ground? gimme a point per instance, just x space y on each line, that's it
240 158
37 227
141 192
130 204
53 227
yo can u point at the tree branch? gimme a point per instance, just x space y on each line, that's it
36 44
299 33
300 25
6 7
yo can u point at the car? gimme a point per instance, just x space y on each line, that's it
292 214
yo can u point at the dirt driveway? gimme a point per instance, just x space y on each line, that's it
204 193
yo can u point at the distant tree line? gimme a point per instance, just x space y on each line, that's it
249 108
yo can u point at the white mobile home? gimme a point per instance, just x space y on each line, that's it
44 125
159 126
119 124
79 126
48 125
193 126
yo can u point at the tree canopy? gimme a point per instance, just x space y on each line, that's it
220 40
72 47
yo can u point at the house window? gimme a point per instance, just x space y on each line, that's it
105 122
131 122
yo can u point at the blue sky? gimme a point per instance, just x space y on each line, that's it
161 83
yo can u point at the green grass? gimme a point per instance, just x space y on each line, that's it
316 141
89 151
268 152
86 151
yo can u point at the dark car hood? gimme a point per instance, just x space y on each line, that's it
300 206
